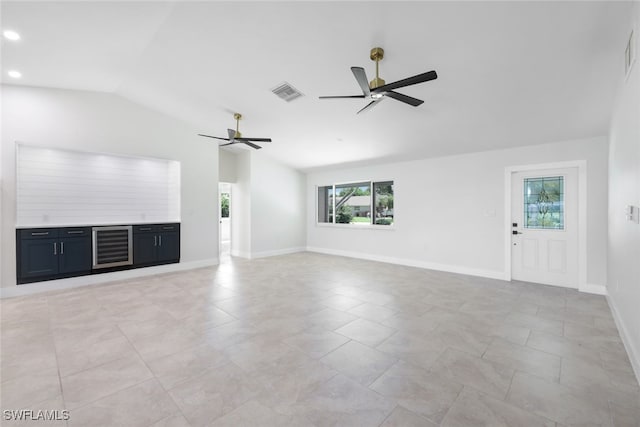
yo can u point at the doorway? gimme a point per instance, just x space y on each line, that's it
547 224
224 215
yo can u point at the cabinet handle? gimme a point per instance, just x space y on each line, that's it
155 240
168 228
145 229
160 238
55 248
61 248
75 232
43 233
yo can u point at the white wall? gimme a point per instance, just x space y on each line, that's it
268 207
241 207
449 211
624 189
277 207
227 169
65 187
99 122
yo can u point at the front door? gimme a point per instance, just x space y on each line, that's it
544 217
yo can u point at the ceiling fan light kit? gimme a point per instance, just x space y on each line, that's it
377 89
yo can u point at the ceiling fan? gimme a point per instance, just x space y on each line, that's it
377 90
235 137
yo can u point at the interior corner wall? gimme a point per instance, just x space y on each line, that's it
106 123
278 201
241 207
227 170
624 190
450 211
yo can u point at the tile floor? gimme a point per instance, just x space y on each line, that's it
317 340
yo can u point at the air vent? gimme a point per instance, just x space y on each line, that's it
286 92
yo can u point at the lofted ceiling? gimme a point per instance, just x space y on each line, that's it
510 73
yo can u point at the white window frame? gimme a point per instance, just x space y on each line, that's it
369 226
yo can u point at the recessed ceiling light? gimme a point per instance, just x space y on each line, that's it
15 74
11 35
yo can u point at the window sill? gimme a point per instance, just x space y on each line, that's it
356 227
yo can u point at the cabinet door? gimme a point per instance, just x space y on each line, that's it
75 254
144 248
168 246
38 257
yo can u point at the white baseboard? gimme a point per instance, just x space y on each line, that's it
241 254
591 288
265 254
413 263
97 279
277 252
632 351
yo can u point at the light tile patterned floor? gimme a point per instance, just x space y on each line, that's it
309 339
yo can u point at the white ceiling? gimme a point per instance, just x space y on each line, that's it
510 73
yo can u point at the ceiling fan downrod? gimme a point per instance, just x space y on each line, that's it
377 53
238 117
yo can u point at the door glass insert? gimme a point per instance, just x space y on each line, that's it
224 205
544 203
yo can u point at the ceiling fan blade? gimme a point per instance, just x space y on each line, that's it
337 97
216 137
420 78
257 147
404 98
253 139
361 77
369 105
228 143
232 134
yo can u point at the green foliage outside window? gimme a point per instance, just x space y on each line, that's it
344 214
224 205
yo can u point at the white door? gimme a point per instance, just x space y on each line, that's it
224 208
544 213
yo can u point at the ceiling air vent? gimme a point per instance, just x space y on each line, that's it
286 91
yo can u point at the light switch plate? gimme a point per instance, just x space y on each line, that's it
633 213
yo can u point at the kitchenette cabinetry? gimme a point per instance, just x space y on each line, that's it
53 252
156 244
62 252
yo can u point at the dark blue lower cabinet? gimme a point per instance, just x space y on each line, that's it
144 248
50 258
168 246
75 255
152 245
38 257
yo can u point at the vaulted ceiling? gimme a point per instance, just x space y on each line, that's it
510 73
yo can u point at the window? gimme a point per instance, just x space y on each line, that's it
544 203
325 204
358 203
383 202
